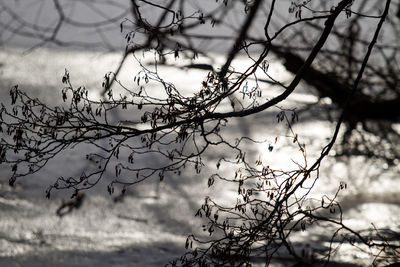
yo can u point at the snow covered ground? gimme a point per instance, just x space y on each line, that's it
150 225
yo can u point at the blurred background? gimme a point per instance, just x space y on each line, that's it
40 39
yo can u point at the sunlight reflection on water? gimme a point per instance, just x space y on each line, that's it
29 225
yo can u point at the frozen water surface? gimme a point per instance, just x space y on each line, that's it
150 225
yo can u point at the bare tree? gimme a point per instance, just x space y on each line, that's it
326 44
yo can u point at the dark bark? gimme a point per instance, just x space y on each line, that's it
362 107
